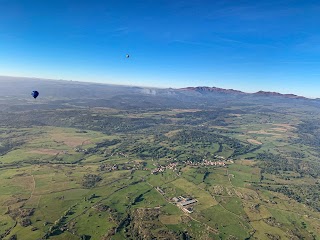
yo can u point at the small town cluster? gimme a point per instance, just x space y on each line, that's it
222 162
174 166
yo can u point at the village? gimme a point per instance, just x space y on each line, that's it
221 162
172 164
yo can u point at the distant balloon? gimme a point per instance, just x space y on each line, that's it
35 94
127 56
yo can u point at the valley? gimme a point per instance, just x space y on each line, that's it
108 172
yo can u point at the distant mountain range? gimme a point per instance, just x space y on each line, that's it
206 90
16 91
19 85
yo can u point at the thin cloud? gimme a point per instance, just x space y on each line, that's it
223 42
257 11
310 44
301 62
120 31
192 43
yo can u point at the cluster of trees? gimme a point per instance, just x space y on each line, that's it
273 163
297 155
7 145
108 143
244 149
196 118
309 133
216 117
85 237
25 222
155 149
307 194
13 237
78 118
143 227
60 225
104 144
190 136
148 150
21 213
101 207
90 180
276 164
142 224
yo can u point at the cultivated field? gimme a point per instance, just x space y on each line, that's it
114 174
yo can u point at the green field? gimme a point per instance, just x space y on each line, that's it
82 182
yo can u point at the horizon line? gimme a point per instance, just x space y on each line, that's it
145 86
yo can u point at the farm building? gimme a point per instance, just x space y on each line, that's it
186 203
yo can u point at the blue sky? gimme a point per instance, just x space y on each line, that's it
246 45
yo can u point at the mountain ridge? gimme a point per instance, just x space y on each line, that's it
203 90
208 90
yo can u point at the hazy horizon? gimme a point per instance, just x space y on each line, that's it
146 86
249 46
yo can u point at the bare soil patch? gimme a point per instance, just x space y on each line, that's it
172 133
51 152
71 141
170 219
284 125
253 141
279 129
263 132
247 162
185 110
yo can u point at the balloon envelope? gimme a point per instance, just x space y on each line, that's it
35 94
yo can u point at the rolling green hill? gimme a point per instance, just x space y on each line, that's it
95 167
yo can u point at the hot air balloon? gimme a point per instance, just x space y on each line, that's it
35 94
